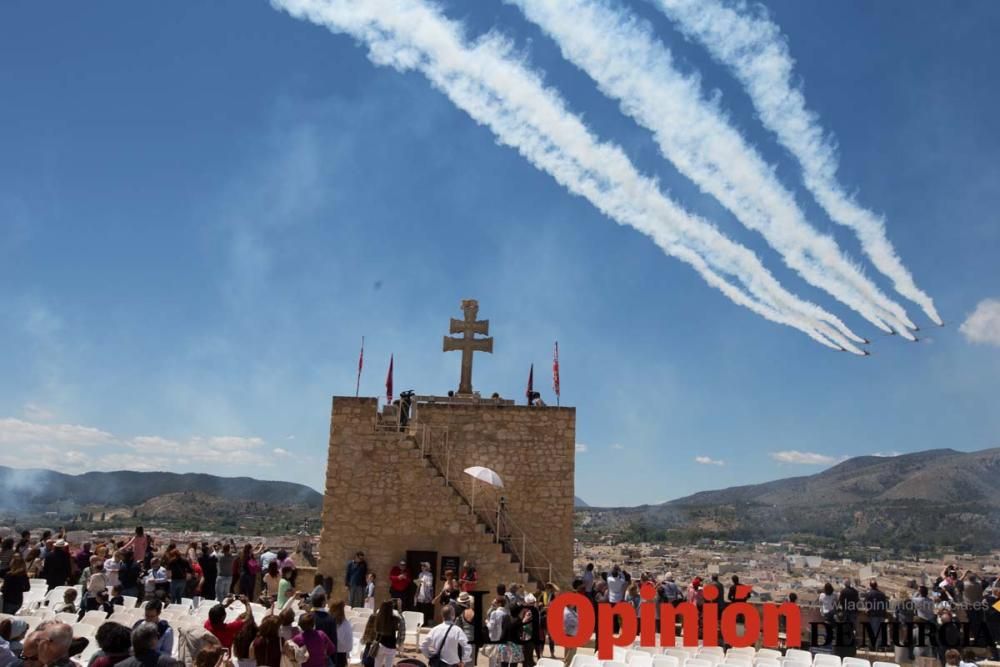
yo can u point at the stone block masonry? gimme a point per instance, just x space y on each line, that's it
384 496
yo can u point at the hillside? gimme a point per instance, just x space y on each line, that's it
36 490
916 501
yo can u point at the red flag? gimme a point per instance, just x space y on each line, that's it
555 371
531 384
388 382
361 363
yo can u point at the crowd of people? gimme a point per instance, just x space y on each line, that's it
138 567
276 623
136 571
515 618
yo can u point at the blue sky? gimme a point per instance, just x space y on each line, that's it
203 207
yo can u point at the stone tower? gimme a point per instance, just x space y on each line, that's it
397 490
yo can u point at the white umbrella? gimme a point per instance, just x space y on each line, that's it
483 475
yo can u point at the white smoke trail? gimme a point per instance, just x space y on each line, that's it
629 64
752 46
486 80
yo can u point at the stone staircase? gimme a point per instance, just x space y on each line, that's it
499 559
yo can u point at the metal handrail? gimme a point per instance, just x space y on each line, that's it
529 550
425 432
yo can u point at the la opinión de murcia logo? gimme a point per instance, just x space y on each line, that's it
740 624
757 621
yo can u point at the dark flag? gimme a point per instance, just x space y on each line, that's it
388 383
531 384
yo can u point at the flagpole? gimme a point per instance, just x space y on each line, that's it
555 373
361 362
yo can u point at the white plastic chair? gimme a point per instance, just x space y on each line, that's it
738 660
130 601
549 662
84 630
33 621
64 617
364 612
613 663
856 662
638 659
123 617
711 650
95 618
89 652
826 660
769 654
698 662
680 654
666 661
798 655
766 662
742 651
56 594
619 655
879 663
795 662
583 660
414 620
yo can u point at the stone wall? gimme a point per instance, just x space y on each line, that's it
533 450
384 497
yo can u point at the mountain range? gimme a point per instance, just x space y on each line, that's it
919 501
33 489
934 498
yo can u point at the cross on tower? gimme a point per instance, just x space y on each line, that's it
468 343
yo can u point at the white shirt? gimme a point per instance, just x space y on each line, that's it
571 621
425 580
111 567
455 647
588 581
495 623
345 637
616 588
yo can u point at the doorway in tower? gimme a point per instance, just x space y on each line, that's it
413 563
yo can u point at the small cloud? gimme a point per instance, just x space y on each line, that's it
289 437
983 325
17 432
37 413
232 449
805 458
887 454
581 448
281 452
707 461
618 446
